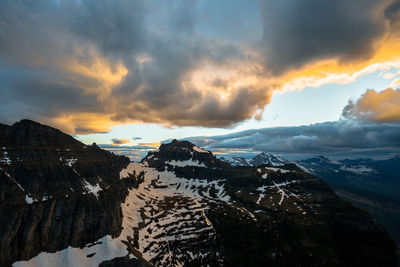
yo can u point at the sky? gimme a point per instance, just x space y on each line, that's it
131 74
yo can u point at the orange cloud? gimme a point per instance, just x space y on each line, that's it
154 144
318 73
120 141
375 106
95 75
82 123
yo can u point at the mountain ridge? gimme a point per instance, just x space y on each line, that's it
179 206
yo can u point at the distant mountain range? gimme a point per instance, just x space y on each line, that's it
370 184
263 158
63 203
373 185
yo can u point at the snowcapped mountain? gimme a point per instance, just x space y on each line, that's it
237 161
179 206
362 170
263 158
268 159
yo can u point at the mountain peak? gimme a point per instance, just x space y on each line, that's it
31 134
264 158
268 159
26 122
183 145
182 153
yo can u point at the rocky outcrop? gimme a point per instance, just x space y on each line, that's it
183 153
123 262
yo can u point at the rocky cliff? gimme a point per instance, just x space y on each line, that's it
55 192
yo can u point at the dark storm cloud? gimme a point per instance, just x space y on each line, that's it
110 62
55 40
115 27
341 137
392 13
25 93
37 42
296 31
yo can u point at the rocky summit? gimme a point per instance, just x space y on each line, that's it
64 203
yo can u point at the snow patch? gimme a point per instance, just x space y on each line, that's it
360 169
106 248
277 169
29 200
71 161
127 171
303 168
185 163
5 159
94 189
9 176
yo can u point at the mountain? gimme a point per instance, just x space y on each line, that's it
370 184
67 204
260 159
373 185
55 192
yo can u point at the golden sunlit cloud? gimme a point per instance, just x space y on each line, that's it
83 123
395 83
154 144
120 141
375 106
388 75
324 72
95 75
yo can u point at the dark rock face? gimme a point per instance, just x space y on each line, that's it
55 191
123 262
373 185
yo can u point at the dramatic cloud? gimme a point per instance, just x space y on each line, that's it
84 66
375 106
136 138
101 60
135 153
296 31
121 141
342 137
392 13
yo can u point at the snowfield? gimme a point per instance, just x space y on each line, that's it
141 204
164 212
